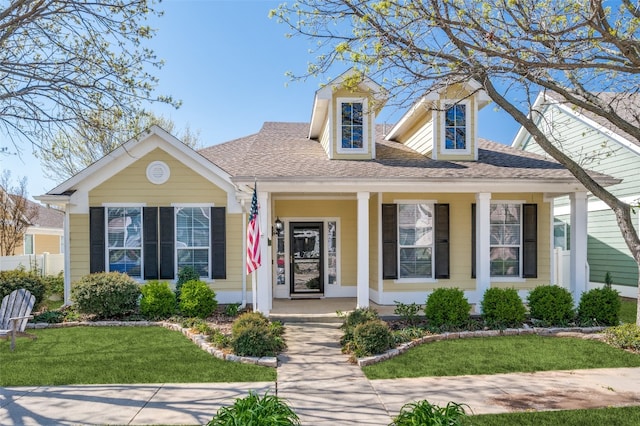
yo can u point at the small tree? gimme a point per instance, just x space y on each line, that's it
16 213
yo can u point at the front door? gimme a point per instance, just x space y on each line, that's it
306 249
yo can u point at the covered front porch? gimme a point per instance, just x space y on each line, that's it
319 310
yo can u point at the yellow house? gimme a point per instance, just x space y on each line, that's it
347 208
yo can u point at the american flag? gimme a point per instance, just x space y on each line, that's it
253 236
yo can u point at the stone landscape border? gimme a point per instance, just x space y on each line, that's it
580 332
199 339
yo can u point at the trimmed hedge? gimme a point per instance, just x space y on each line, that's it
106 294
551 304
447 307
502 307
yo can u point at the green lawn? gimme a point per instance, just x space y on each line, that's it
624 416
505 354
628 310
116 355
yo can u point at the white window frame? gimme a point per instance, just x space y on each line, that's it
365 126
106 234
508 278
431 279
445 105
176 208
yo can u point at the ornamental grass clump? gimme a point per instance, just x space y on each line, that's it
447 308
197 299
599 306
106 295
424 413
266 410
551 305
158 301
502 307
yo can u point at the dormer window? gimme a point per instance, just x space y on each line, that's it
353 125
457 128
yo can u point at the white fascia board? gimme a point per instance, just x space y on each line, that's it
407 120
594 205
522 133
318 116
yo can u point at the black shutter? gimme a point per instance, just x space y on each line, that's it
530 240
473 240
96 239
150 235
218 243
441 234
389 241
167 232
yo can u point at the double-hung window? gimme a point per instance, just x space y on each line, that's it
506 239
352 125
415 240
193 238
124 240
456 127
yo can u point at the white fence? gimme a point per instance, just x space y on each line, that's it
562 272
44 264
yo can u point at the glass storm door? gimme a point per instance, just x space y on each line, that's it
306 258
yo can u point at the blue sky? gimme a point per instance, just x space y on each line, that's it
226 61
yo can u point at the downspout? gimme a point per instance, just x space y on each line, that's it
67 256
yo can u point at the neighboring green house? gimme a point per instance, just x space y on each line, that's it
597 145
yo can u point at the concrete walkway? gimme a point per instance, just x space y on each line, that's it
322 388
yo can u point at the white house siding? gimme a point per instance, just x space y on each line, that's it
607 251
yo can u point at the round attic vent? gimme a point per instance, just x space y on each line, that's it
158 172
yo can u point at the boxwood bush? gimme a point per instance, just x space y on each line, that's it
371 338
106 294
352 320
158 301
551 305
502 307
253 335
19 278
599 306
447 308
197 299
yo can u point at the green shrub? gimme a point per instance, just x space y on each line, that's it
219 339
502 307
550 304
249 318
158 301
50 317
625 336
106 294
54 284
267 410
408 312
352 320
424 413
447 307
255 340
197 299
599 306
19 278
232 310
185 274
407 334
372 338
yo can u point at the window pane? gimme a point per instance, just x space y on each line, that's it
346 114
126 261
193 238
352 133
505 262
28 244
124 240
415 262
455 127
357 114
196 258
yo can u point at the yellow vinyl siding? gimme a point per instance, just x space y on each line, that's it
47 243
460 241
421 135
132 186
80 250
345 210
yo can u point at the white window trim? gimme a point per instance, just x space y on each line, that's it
106 234
415 280
446 104
515 278
365 126
177 206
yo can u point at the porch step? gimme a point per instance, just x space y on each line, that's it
302 318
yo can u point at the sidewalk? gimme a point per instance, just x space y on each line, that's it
322 387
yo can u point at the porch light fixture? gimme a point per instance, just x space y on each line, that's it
279 227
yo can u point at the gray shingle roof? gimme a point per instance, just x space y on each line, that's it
282 150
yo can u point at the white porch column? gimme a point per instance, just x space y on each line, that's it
483 238
363 250
263 290
578 258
